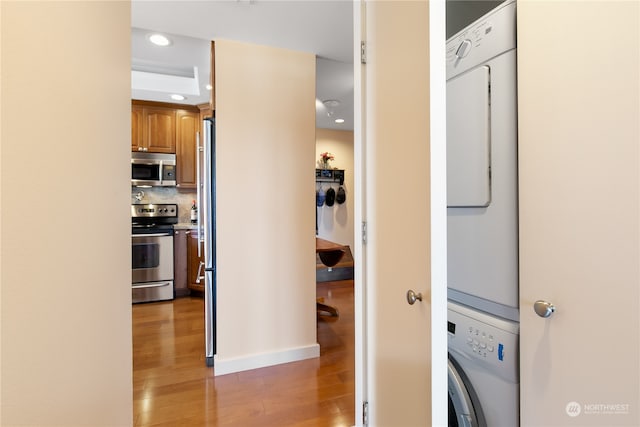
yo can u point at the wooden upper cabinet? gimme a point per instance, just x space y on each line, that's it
187 125
160 129
137 127
153 127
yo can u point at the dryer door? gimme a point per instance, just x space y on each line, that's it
462 412
469 139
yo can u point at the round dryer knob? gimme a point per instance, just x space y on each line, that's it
463 49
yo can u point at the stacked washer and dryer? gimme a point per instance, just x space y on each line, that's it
482 222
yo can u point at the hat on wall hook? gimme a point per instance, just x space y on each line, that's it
341 196
330 196
320 196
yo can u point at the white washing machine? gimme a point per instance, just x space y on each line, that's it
483 375
482 184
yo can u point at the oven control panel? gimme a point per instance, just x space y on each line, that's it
166 210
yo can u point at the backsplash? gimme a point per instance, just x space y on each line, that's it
166 195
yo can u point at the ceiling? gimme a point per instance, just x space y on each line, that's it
322 27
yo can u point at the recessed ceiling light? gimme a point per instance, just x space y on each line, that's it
177 97
339 121
209 87
159 40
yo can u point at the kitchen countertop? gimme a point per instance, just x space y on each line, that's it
185 226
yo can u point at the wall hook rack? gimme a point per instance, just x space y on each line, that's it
330 175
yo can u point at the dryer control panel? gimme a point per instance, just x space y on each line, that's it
489 340
485 38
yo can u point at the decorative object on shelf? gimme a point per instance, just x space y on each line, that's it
325 158
330 175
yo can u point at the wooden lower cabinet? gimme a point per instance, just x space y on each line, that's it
180 263
195 263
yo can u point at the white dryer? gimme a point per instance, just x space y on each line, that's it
483 378
482 184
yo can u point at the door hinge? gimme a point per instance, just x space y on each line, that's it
363 53
364 232
365 413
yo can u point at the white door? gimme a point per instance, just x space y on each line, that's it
579 139
395 173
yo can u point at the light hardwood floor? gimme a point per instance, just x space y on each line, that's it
173 387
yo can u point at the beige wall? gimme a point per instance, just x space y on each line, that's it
265 118
335 223
66 295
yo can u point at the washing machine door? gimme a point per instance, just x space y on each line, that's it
462 411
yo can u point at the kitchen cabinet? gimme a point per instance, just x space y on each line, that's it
153 129
159 127
159 132
187 126
180 263
195 263
136 127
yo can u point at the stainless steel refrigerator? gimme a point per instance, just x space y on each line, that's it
206 194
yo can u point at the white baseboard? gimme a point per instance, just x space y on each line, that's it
262 360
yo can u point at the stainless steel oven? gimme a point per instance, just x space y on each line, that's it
152 251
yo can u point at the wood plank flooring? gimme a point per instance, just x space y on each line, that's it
173 387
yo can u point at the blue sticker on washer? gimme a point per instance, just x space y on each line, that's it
501 352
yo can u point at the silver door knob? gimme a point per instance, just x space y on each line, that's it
412 297
544 308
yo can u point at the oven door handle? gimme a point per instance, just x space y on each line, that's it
152 285
150 235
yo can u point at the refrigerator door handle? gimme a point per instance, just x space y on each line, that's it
208 190
199 149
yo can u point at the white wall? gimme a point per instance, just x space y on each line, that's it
66 293
335 223
265 118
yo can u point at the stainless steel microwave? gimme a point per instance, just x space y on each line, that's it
153 169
